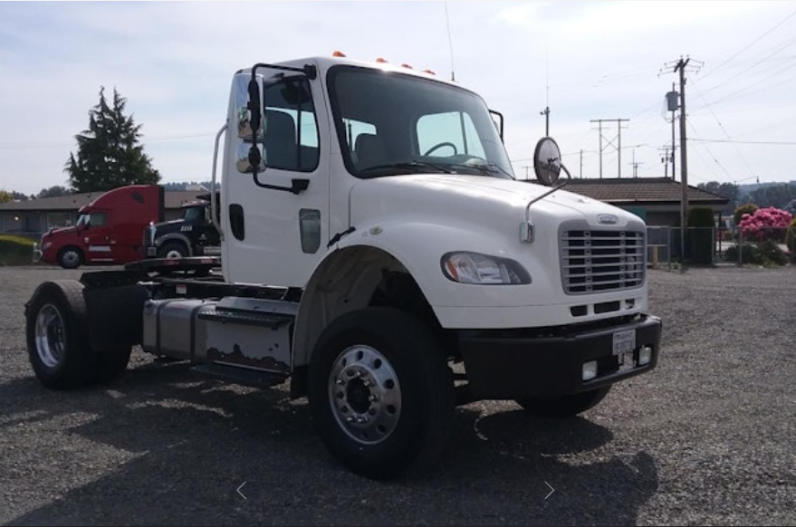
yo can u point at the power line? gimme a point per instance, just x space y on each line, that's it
772 143
726 133
755 41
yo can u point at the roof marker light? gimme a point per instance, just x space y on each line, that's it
338 54
429 72
381 60
406 66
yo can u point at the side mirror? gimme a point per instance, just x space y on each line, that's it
547 161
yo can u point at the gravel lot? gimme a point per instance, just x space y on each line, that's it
709 437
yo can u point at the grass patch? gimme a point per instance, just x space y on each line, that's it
15 250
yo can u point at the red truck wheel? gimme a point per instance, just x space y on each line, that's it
70 257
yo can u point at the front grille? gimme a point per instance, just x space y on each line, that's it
601 261
147 237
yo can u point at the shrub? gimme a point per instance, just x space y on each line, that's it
790 237
15 250
771 253
766 253
700 235
746 208
766 224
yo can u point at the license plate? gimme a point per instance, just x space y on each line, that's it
624 341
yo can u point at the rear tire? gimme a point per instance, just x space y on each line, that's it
563 407
70 257
381 393
58 344
173 250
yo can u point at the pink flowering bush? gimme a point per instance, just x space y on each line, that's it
765 224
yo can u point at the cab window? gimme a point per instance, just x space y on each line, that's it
291 129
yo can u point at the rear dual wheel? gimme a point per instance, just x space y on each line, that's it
58 345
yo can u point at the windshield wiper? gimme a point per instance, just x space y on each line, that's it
485 169
412 167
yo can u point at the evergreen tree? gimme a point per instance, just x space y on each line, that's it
108 153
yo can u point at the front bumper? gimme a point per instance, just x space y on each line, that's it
511 364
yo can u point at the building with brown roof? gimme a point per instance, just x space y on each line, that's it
656 200
35 216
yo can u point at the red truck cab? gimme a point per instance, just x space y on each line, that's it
108 230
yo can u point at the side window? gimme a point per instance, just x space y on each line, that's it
448 134
291 130
98 219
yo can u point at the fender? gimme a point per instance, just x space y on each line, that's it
172 236
349 272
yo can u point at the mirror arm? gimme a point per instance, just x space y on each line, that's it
558 186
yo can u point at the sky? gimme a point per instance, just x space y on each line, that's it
584 60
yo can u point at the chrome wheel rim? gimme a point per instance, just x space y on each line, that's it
364 394
173 254
50 336
71 258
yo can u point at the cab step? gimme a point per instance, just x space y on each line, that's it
239 375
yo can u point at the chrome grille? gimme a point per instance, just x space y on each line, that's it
147 237
601 261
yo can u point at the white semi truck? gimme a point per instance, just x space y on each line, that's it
380 258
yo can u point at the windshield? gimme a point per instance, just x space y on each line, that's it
194 214
391 124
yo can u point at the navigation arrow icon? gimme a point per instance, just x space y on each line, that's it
552 490
239 492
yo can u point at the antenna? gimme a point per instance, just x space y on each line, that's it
450 40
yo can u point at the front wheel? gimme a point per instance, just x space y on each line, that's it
70 258
563 407
173 250
381 393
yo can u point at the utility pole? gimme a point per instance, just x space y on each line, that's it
635 165
610 142
546 113
680 67
665 160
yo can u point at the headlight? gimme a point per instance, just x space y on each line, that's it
474 268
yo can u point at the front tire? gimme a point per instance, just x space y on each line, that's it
173 250
563 407
380 393
70 258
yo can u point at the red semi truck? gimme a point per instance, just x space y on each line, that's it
108 231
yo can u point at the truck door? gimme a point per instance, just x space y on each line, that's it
274 236
98 237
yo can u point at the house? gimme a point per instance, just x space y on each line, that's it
36 216
656 200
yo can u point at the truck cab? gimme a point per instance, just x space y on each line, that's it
379 254
108 230
193 234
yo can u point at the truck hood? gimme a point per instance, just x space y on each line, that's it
54 233
474 199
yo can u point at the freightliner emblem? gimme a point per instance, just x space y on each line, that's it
607 218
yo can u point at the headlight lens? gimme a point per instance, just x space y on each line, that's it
474 268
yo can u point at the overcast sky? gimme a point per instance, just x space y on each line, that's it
586 60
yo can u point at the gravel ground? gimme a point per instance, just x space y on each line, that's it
707 438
